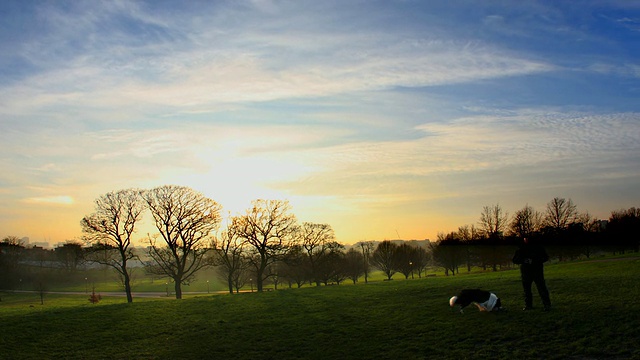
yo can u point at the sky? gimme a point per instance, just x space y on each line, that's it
384 119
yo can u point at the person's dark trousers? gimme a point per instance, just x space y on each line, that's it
530 276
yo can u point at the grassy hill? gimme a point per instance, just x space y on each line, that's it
595 316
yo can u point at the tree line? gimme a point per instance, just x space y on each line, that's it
560 227
267 244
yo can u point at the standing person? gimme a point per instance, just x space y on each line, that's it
531 257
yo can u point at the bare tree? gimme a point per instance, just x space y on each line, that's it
526 222
296 266
110 229
448 252
354 264
583 232
493 221
420 260
241 278
316 240
560 214
184 219
268 227
407 257
229 257
331 266
367 248
13 240
467 234
385 258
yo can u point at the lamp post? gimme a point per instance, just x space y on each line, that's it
251 282
166 286
207 286
411 267
86 286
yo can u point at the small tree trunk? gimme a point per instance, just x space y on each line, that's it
127 286
230 282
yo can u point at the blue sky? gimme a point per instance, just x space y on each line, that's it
381 118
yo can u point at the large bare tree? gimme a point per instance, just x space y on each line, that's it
110 228
185 220
268 227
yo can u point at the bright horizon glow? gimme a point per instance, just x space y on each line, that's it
384 119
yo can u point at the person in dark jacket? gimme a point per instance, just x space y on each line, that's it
531 257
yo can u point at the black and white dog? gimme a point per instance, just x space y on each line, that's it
484 300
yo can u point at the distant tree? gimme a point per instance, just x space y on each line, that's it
12 241
110 229
493 221
276 271
241 278
295 266
354 264
623 229
584 234
560 213
316 241
185 220
526 222
229 256
70 255
12 252
448 252
467 234
406 255
268 227
420 259
367 248
385 258
339 261
331 267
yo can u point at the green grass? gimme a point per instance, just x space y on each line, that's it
595 316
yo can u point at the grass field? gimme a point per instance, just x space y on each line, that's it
595 316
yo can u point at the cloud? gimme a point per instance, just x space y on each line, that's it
623 70
51 200
103 68
537 139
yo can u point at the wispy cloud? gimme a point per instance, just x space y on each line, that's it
105 67
51 200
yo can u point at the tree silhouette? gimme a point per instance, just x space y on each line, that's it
526 222
110 229
184 219
229 257
385 258
268 228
